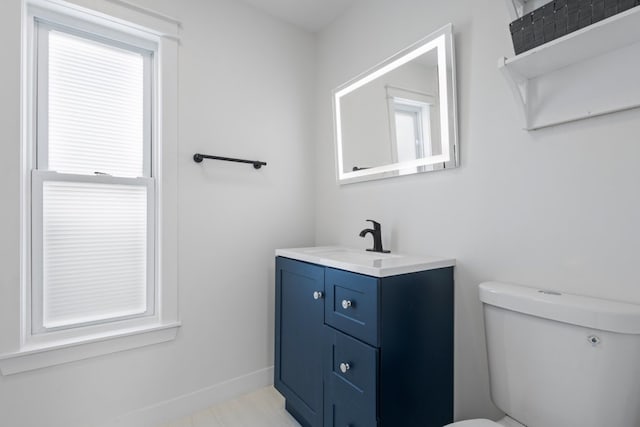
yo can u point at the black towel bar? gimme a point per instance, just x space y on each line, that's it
256 163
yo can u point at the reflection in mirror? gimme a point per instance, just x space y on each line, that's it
399 118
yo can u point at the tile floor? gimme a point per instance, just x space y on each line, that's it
261 408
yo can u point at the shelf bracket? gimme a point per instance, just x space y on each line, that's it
519 86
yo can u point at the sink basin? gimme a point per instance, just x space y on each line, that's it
353 255
369 263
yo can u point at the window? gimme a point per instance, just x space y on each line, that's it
414 122
92 188
412 126
99 245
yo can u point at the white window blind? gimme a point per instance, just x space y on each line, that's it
93 189
96 107
94 252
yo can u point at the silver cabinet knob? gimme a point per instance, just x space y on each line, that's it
317 295
346 303
344 367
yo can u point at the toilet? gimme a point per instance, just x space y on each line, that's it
560 360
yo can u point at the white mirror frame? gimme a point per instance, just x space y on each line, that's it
442 41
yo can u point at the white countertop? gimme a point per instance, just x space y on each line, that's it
370 263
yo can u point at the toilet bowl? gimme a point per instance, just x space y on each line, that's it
558 360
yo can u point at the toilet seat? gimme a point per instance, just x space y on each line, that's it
480 422
483 422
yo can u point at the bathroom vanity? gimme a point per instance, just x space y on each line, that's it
364 339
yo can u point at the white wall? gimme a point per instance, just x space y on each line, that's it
556 208
246 89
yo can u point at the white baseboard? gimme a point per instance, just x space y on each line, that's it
187 404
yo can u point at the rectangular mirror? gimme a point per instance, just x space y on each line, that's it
399 118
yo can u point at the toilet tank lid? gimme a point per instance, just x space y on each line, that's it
595 313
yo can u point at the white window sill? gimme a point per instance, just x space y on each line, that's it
30 358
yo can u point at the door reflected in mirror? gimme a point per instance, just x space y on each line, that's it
399 118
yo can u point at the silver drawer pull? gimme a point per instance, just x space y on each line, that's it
344 367
346 303
317 295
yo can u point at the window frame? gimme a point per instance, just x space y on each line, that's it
42 172
33 351
44 23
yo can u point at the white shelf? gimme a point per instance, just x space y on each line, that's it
573 54
602 37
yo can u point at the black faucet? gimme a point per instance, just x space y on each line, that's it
377 237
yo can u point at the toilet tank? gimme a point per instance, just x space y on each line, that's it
560 360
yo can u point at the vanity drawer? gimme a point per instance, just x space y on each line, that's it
351 380
352 304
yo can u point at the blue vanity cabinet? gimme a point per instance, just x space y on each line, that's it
386 346
299 325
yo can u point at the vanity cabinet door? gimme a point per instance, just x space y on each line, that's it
298 338
351 381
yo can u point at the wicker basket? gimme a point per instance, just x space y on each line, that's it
560 17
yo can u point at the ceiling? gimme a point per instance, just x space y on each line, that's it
312 15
